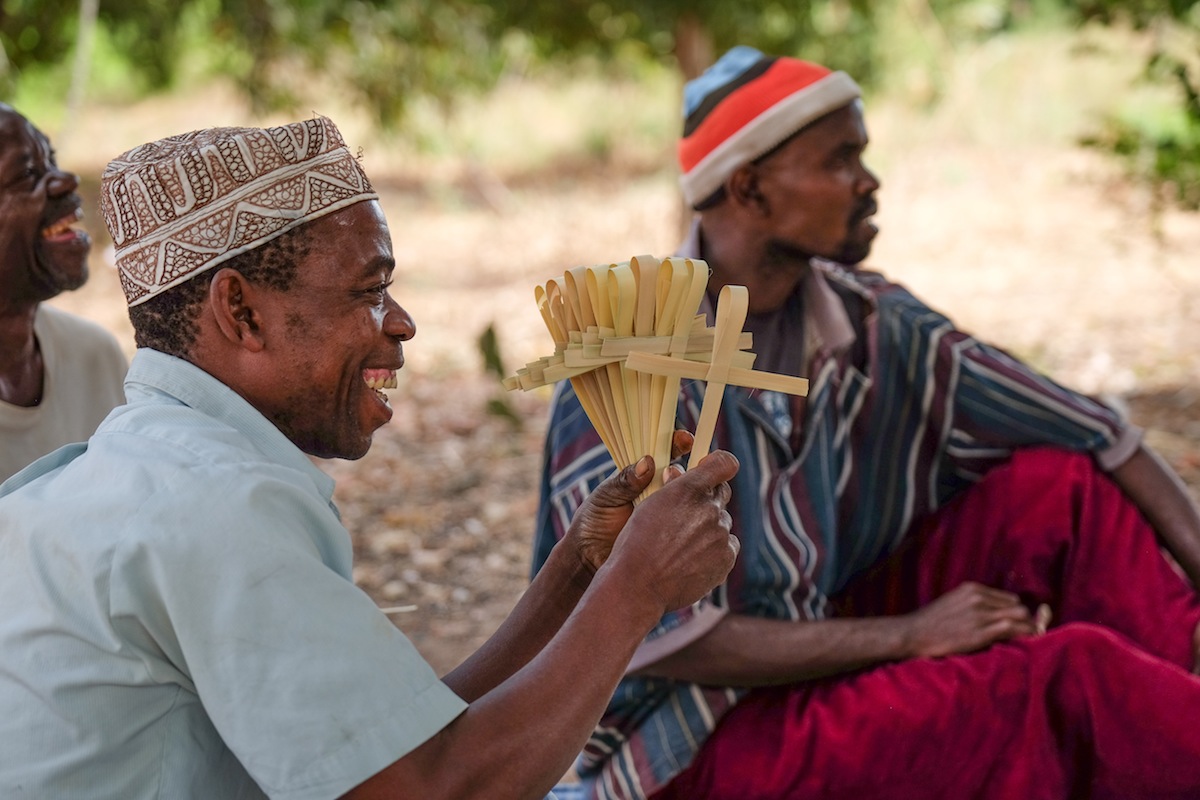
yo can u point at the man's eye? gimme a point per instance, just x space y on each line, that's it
23 177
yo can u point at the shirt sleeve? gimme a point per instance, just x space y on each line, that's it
246 601
982 402
1002 401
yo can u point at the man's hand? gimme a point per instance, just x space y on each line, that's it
968 618
565 646
604 513
677 544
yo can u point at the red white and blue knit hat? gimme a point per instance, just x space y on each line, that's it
746 104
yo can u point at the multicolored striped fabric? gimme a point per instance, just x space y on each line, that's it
898 421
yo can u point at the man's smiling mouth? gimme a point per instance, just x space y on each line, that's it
380 379
62 228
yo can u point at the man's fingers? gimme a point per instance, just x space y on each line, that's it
713 473
626 485
715 468
991 596
735 547
1011 628
681 443
1041 619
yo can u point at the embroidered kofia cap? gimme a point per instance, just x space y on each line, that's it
746 104
184 204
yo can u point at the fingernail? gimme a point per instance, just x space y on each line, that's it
1042 618
643 466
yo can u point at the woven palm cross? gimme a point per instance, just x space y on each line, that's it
627 334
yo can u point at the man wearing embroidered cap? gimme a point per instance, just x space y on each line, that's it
179 617
59 375
908 528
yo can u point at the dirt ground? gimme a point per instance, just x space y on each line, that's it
1044 251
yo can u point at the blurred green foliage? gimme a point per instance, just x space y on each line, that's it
1159 142
493 364
388 53
43 32
1161 145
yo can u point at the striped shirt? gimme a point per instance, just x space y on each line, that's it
903 412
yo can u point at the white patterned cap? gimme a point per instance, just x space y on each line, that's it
184 204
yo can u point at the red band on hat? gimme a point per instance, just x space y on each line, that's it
783 79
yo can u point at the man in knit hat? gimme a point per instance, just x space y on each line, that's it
179 617
909 528
59 374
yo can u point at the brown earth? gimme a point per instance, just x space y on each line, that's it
1045 251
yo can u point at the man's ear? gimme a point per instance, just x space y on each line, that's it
234 304
744 190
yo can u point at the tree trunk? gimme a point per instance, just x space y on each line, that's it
694 52
693 46
88 11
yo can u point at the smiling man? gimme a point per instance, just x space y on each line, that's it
179 619
59 375
907 528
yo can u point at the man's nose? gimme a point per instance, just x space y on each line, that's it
868 182
399 323
61 182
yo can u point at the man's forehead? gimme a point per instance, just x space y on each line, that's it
16 131
842 126
368 270
349 245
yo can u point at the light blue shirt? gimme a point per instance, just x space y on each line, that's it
178 620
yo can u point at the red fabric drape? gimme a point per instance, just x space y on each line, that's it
1102 706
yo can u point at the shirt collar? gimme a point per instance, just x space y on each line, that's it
152 374
825 314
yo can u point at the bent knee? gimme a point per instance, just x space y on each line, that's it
1081 645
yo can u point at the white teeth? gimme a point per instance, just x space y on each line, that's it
380 383
63 225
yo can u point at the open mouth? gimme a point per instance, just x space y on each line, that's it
380 379
62 229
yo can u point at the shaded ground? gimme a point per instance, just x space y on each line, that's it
1171 417
1045 252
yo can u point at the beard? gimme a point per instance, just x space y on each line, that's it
59 267
861 233
853 253
48 280
787 255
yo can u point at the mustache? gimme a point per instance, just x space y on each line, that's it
867 207
61 207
